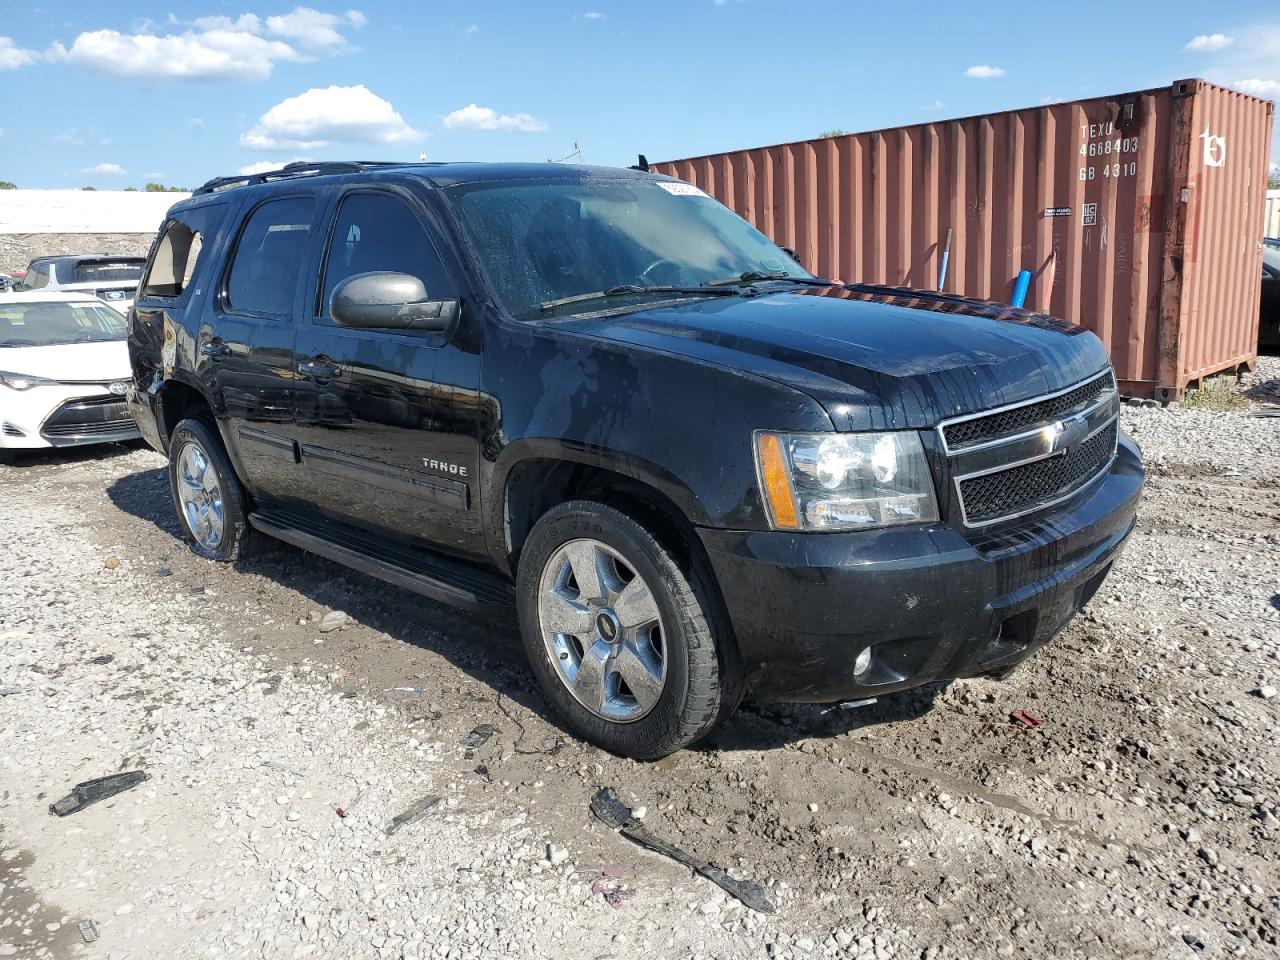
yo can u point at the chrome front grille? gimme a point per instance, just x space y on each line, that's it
1015 460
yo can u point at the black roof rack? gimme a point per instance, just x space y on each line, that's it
299 168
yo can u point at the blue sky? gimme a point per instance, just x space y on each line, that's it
117 94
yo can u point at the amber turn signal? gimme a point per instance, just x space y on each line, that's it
776 482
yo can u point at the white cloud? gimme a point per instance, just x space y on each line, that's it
474 28
262 166
13 56
212 54
105 170
983 71
1258 87
211 48
472 117
246 22
1210 42
593 15
314 29
266 166
71 137
325 115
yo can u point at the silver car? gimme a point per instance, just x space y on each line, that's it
110 278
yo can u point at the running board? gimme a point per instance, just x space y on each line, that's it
434 576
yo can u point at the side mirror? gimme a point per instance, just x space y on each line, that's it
389 301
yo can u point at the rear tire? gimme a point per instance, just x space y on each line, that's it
211 503
621 635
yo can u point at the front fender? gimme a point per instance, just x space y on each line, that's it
678 425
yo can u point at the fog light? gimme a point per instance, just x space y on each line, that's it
862 663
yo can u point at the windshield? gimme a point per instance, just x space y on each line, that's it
45 324
95 271
543 241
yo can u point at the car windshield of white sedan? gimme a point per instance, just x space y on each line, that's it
47 324
542 242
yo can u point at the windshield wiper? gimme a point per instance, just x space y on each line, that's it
631 289
758 276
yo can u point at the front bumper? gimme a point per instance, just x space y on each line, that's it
62 415
931 602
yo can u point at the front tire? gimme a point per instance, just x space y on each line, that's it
208 497
622 636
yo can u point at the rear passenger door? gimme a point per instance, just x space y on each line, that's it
387 420
245 344
173 293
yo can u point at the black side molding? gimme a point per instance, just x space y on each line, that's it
434 576
386 476
267 444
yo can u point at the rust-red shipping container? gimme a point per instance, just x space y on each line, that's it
1139 215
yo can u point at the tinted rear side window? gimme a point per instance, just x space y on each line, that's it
378 232
37 277
264 272
177 255
96 271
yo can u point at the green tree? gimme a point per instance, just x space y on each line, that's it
8 185
130 189
88 188
831 133
1272 184
161 188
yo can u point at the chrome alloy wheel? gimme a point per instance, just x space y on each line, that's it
602 629
200 494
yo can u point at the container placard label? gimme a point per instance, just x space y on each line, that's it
1056 212
1089 215
1108 153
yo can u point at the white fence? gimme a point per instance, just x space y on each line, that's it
84 211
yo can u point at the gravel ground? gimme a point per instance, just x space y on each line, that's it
1141 820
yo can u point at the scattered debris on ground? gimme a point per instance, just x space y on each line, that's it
93 791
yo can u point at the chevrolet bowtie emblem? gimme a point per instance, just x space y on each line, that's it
1064 435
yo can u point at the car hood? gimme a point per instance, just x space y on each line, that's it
874 357
70 362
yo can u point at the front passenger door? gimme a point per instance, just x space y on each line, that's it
387 419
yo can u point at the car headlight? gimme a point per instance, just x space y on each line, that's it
844 481
20 381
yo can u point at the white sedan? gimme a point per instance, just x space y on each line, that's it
64 372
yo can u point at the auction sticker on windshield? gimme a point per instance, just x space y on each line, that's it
681 189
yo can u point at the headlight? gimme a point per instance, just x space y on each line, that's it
20 381
844 481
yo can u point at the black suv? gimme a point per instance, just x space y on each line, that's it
695 469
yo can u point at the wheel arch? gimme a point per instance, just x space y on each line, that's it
176 400
532 485
535 475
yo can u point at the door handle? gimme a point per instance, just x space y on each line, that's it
319 367
215 348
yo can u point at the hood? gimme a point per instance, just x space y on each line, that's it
874 357
70 362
